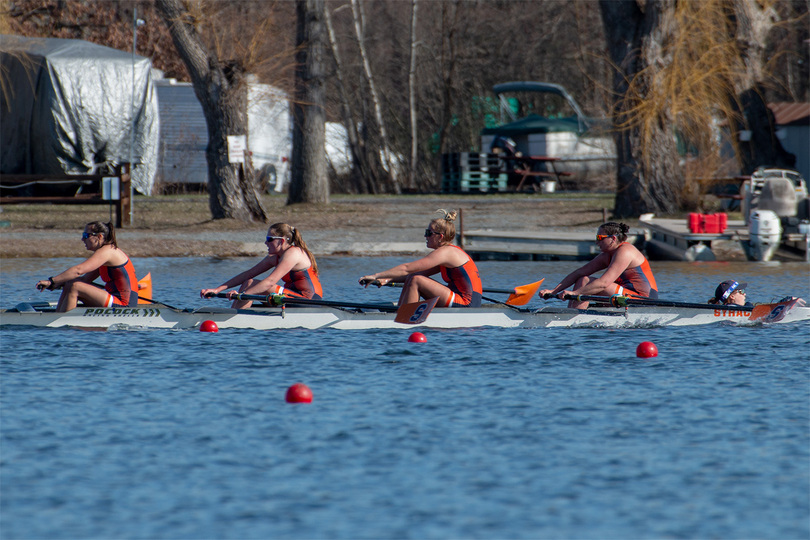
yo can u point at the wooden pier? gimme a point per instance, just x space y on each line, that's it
546 245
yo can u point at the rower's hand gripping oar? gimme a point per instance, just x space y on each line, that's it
519 296
413 313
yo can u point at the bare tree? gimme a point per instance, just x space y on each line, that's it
412 97
387 158
221 87
308 178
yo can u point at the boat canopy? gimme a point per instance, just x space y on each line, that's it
533 122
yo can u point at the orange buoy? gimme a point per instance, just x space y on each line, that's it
417 337
209 326
646 349
299 393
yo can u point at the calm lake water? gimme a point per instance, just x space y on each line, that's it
484 433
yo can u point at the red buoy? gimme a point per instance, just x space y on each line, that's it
646 349
209 326
299 393
417 337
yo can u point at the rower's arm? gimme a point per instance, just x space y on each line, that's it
427 265
621 261
262 266
86 270
598 263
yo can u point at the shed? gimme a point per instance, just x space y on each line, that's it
71 106
793 129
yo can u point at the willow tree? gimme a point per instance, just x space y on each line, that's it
221 86
680 68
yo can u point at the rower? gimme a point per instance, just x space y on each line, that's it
627 271
292 264
108 262
456 267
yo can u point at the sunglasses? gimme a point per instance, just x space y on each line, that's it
429 233
600 237
86 235
271 238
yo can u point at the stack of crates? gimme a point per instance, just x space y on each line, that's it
466 172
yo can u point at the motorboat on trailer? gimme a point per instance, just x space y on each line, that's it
382 316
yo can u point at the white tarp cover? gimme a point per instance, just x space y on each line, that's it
66 106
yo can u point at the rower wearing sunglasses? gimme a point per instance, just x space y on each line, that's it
626 270
291 262
455 266
108 262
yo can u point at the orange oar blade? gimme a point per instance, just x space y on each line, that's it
415 312
523 294
145 288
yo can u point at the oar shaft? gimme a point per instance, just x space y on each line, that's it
624 300
397 284
277 300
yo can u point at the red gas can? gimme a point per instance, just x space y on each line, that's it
695 223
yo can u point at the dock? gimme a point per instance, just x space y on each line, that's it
670 239
545 245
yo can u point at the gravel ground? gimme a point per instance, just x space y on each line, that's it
361 225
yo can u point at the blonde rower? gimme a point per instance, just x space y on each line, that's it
456 267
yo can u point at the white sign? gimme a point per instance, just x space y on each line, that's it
237 144
111 188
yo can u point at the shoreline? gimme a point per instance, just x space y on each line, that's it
360 225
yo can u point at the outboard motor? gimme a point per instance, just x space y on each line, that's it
778 195
765 234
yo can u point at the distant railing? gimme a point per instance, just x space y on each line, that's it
71 189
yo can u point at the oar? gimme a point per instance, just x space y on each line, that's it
519 296
625 301
413 313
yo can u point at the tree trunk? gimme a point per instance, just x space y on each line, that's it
309 181
361 171
222 91
412 98
751 24
388 165
648 178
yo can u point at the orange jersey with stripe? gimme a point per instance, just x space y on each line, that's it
303 283
465 281
639 280
121 283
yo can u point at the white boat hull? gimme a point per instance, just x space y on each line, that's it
161 317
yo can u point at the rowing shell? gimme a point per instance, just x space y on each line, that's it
314 317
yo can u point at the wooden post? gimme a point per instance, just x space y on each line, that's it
460 228
123 206
604 215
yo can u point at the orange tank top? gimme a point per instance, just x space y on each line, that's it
465 281
304 282
639 280
120 282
